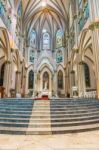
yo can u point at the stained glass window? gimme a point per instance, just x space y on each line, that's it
46 41
32 39
59 57
59 38
31 56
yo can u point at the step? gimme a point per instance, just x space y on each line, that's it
46 131
5 109
46 119
9 111
25 131
74 129
52 115
52 123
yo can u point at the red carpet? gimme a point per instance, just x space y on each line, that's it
44 97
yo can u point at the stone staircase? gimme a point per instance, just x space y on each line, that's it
28 117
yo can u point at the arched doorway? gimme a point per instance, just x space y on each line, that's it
46 81
2 74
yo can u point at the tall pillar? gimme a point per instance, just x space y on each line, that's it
18 82
7 78
24 82
94 27
81 80
55 83
35 82
52 85
72 82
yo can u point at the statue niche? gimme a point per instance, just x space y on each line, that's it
46 81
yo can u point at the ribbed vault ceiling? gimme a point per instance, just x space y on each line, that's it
51 17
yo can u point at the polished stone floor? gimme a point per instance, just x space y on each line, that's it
79 141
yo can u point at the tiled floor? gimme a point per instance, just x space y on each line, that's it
81 141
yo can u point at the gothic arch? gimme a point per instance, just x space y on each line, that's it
5 43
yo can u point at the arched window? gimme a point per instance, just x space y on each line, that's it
59 39
2 74
32 38
46 41
60 80
46 80
87 75
31 80
31 56
59 56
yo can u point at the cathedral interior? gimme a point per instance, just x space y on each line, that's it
49 73
49 47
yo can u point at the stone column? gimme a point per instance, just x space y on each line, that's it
24 82
66 78
71 93
18 82
22 43
55 83
94 27
71 82
7 78
35 82
67 84
81 79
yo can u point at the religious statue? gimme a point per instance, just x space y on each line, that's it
46 85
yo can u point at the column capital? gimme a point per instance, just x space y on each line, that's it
18 72
81 62
94 25
8 62
72 72
24 76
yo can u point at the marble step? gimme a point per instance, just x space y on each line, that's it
64 110
49 103
46 131
52 119
75 129
4 114
25 131
50 122
11 111
50 125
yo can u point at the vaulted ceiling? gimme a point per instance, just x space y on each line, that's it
51 17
